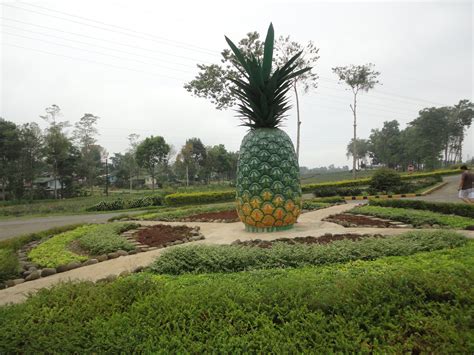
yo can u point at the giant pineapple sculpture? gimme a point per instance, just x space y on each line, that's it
268 188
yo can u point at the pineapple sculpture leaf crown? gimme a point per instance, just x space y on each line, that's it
262 92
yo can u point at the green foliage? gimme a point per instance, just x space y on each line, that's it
329 191
263 92
230 258
9 265
180 199
412 304
313 205
103 239
415 217
459 209
120 204
385 180
172 214
94 239
329 199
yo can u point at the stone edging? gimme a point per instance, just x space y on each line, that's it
32 271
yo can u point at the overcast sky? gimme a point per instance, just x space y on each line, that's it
127 61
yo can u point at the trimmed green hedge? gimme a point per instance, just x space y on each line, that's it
121 204
230 258
415 217
366 181
414 304
180 199
459 209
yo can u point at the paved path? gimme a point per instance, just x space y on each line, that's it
18 226
309 224
448 193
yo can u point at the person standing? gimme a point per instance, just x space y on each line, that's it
466 190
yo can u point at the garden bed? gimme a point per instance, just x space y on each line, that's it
358 220
163 235
324 239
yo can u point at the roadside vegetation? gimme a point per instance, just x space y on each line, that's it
92 240
397 304
459 209
417 218
230 258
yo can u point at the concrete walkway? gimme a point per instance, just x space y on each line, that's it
448 193
309 224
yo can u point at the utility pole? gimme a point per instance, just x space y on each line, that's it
106 176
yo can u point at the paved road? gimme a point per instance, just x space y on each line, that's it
448 193
19 226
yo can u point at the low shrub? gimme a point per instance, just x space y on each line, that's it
93 239
121 204
459 209
230 258
313 206
415 217
173 214
9 265
329 199
385 179
329 191
413 304
180 199
106 238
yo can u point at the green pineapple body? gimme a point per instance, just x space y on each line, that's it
268 185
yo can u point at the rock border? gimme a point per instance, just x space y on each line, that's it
32 271
392 224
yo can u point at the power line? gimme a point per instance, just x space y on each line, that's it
105 29
95 45
93 62
119 27
103 40
95 52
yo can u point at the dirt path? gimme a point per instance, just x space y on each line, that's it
309 224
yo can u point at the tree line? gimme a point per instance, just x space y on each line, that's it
60 163
432 140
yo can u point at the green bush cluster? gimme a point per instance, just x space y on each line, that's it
459 209
9 264
193 198
329 191
385 179
94 239
329 199
121 204
415 217
230 258
413 304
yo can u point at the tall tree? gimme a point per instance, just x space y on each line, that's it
385 144
359 78
218 161
362 150
285 50
31 153
211 82
85 134
10 151
153 154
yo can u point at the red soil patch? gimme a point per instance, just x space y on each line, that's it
227 216
161 234
324 239
351 220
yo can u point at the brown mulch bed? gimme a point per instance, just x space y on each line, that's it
161 234
227 216
351 220
324 239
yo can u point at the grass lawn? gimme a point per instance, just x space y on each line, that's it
397 304
415 217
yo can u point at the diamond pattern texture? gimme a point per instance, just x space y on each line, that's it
268 184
